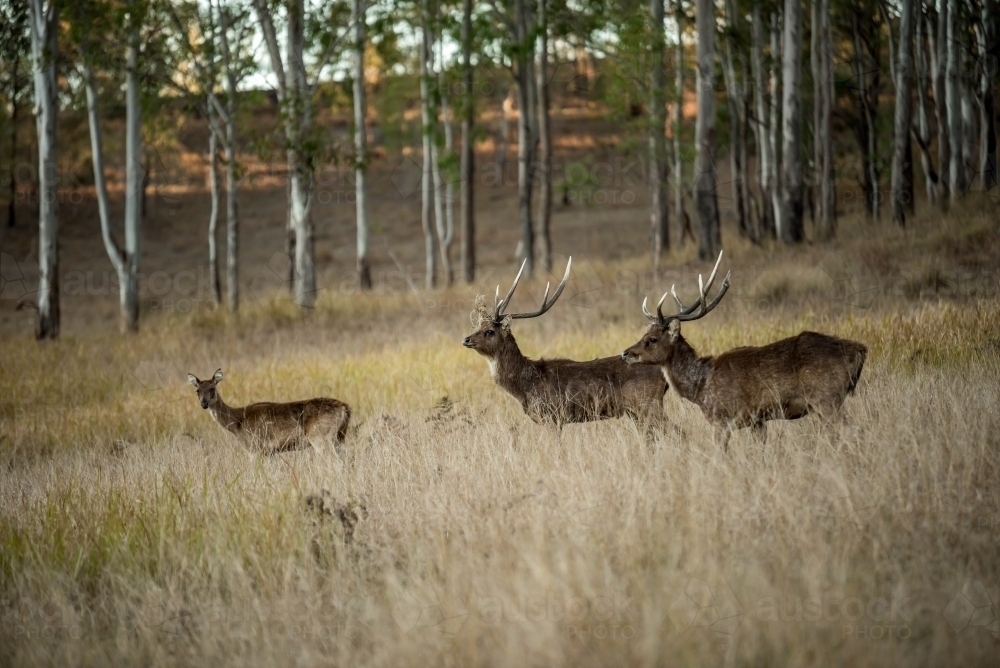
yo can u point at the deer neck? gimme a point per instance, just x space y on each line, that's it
687 372
231 419
512 371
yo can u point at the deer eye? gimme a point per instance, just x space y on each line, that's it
490 332
651 341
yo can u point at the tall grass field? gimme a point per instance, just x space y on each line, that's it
456 532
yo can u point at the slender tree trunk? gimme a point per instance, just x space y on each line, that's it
44 54
953 101
525 136
114 251
866 129
680 214
468 150
426 214
791 216
737 122
923 130
762 126
823 101
545 139
134 174
444 183
775 189
14 81
989 58
659 232
710 238
232 207
360 144
213 216
939 65
903 76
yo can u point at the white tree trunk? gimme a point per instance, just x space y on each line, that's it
426 215
706 185
525 133
213 216
659 234
776 128
923 80
134 174
939 67
360 144
232 205
468 154
762 126
791 216
44 18
545 138
903 77
679 212
736 97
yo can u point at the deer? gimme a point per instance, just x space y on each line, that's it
748 386
561 391
269 428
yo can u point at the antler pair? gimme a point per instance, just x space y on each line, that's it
499 306
697 310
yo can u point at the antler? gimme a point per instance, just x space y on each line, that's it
697 310
499 306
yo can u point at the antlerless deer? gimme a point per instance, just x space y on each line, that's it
560 391
269 428
746 387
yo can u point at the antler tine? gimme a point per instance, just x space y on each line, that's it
705 308
645 311
510 293
546 302
711 277
496 303
659 308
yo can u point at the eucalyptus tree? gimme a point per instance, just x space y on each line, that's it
706 181
737 95
44 28
924 72
658 206
468 156
988 35
902 75
315 32
95 28
763 121
214 41
791 228
824 97
358 25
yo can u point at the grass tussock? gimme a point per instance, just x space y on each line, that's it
133 530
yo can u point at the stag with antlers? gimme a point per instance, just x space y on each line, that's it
746 387
561 391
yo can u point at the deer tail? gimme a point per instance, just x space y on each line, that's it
859 362
344 424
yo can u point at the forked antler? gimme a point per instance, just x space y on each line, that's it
500 306
697 310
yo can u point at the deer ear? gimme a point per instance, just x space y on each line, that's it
193 380
505 323
217 377
673 330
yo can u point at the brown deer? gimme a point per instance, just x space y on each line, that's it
561 391
269 428
746 387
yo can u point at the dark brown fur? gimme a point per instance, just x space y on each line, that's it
272 427
746 387
561 391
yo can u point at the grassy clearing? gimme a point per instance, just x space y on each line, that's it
134 530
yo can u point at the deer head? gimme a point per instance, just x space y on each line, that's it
207 394
658 344
494 327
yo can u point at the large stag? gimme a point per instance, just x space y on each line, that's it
746 387
560 391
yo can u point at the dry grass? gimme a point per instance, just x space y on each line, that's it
456 532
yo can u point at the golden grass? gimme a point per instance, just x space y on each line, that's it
133 530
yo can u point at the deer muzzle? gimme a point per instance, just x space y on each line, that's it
467 342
